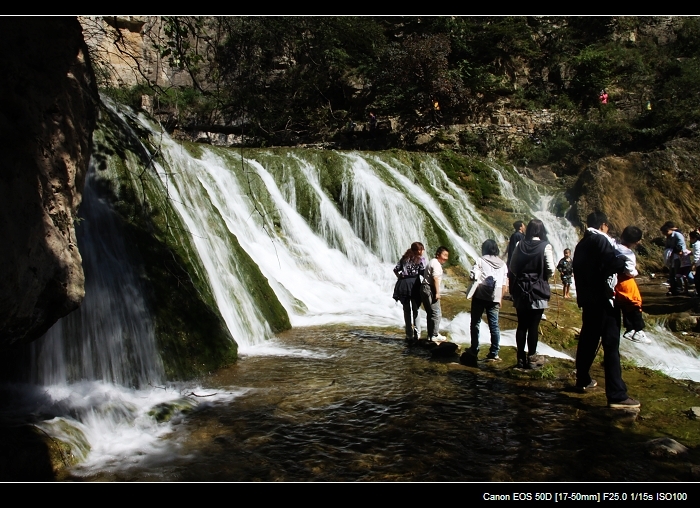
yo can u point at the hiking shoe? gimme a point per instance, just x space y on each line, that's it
628 403
589 386
628 335
472 352
640 336
492 358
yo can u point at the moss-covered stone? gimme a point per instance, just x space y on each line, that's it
191 335
165 411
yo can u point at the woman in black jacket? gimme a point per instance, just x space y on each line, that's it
531 266
407 288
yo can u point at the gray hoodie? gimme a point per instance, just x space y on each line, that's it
490 266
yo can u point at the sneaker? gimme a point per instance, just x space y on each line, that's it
492 358
640 336
439 337
628 335
544 318
589 386
628 403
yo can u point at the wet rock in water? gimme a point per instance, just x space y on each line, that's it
468 359
665 447
165 411
425 343
682 322
694 412
444 349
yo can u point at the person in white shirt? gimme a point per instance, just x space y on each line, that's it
433 273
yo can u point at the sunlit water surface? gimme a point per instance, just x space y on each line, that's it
338 404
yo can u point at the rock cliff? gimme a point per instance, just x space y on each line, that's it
48 100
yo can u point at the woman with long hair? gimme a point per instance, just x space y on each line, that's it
531 266
407 288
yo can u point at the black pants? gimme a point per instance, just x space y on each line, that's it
528 329
601 322
632 319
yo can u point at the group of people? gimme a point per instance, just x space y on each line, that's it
418 282
526 273
677 258
603 269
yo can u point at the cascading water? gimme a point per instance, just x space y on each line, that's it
111 335
532 203
326 240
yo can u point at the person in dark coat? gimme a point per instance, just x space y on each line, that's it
595 267
530 268
518 235
407 288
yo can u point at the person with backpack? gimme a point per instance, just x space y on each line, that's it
490 275
531 266
407 288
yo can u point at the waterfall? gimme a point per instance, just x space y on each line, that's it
111 335
321 230
533 202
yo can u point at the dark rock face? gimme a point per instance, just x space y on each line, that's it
48 108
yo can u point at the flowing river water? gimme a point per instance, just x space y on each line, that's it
339 396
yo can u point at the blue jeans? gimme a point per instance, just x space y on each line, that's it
491 308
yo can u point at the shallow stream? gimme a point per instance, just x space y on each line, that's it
339 404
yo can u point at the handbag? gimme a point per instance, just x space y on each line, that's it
426 292
476 275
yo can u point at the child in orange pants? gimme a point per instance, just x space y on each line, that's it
627 295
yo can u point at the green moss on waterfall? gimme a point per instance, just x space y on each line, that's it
191 335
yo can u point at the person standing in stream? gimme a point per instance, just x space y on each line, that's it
433 273
596 266
407 288
531 266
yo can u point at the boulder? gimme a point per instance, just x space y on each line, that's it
665 447
48 110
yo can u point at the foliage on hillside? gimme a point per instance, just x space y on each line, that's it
286 80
